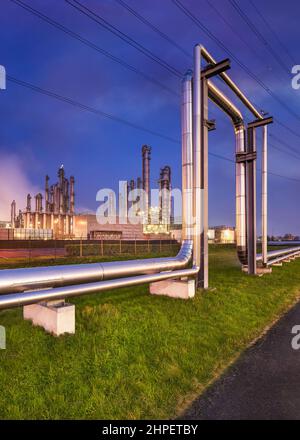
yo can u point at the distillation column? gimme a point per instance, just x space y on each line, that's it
146 154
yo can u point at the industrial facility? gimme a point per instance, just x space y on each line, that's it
172 276
55 218
156 219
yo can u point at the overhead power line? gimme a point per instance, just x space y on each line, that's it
107 54
260 36
283 151
286 127
124 37
227 159
234 31
151 26
87 108
199 24
281 142
283 46
117 119
90 44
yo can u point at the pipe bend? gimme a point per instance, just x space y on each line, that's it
20 280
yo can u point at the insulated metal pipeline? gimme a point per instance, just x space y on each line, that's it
209 58
32 297
20 280
278 253
281 258
197 159
187 157
240 168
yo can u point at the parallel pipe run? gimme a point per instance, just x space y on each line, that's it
20 280
197 159
285 253
283 257
240 170
187 157
32 297
209 58
58 282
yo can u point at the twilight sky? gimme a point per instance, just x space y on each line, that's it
39 133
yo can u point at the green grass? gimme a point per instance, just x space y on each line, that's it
136 355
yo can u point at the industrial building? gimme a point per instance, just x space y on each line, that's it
55 219
156 219
53 215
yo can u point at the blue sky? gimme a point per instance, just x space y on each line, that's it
38 133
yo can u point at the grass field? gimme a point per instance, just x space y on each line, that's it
136 355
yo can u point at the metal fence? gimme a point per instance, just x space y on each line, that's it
30 250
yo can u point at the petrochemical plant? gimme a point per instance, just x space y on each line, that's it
53 215
55 218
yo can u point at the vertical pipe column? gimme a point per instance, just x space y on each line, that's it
251 202
240 195
197 159
203 274
264 196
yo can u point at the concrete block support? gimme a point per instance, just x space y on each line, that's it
56 317
183 289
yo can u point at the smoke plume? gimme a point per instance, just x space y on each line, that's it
14 184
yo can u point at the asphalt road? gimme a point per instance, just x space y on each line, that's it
264 383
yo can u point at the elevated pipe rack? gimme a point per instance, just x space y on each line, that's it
29 286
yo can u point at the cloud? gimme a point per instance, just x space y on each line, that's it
14 184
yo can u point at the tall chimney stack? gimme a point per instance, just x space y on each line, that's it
72 195
13 214
47 194
146 156
28 206
165 195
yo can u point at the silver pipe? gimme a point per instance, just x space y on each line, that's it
203 273
197 157
224 103
22 299
208 57
240 196
20 280
187 157
283 257
264 196
278 253
236 117
284 243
